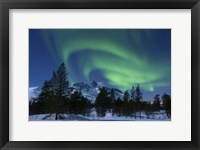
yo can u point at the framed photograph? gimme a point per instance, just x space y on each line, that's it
99 74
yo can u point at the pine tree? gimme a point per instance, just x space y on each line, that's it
54 95
62 83
75 103
126 106
138 94
132 105
45 98
138 98
133 93
111 99
101 103
156 103
61 88
126 96
117 107
167 104
47 91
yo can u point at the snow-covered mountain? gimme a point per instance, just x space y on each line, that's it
90 91
34 92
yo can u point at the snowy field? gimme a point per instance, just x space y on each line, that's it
155 116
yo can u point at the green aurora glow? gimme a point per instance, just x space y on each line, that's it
120 56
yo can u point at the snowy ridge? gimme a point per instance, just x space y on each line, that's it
89 91
34 92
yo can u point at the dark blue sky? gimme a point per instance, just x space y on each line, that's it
116 57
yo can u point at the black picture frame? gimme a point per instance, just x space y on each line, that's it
5 5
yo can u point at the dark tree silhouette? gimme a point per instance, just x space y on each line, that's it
126 105
45 98
138 98
61 88
156 103
138 94
53 97
167 104
133 93
79 104
117 107
102 102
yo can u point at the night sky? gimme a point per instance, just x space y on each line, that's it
118 58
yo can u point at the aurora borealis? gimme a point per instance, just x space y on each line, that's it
118 58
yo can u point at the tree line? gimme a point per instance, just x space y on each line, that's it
57 97
131 104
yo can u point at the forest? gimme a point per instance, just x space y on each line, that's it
57 97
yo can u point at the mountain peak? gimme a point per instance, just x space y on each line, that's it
89 91
94 83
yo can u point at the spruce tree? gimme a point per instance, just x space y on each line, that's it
117 107
138 94
75 103
156 103
133 93
167 104
61 88
132 101
62 83
138 98
55 93
111 98
126 106
101 103
46 92
45 98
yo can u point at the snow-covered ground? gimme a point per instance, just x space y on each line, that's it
156 116
42 117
